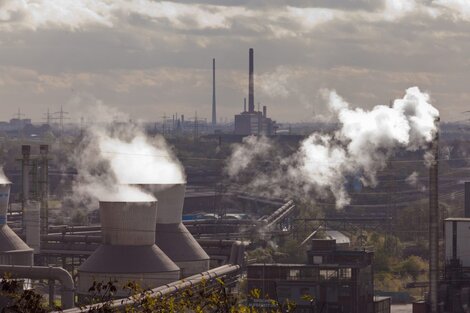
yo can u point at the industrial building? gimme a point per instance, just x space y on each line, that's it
128 252
454 288
253 122
336 280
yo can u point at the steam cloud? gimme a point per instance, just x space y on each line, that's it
360 148
114 156
3 177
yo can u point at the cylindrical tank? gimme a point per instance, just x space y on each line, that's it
13 250
128 251
171 235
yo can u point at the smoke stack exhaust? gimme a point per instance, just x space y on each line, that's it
214 117
251 92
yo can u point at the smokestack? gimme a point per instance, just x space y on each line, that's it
264 111
244 104
26 152
434 226
251 92
44 187
467 199
214 117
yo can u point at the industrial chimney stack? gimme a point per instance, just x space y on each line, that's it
251 96
214 116
434 222
467 199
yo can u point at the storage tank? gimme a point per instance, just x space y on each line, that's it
128 251
171 235
13 250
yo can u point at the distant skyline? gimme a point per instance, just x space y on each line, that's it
148 58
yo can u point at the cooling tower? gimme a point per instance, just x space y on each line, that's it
128 251
171 235
13 251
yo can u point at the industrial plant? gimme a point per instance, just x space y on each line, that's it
365 211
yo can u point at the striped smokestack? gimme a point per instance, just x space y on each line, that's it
251 93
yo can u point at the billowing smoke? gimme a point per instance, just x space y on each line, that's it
3 177
113 156
251 148
359 148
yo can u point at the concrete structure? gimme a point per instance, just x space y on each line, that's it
337 280
32 225
13 251
214 114
128 251
457 237
253 122
171 235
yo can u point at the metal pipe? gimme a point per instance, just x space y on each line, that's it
434 226
168 289
467 199
44 272
71 238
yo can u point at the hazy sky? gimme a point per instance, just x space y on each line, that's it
148 58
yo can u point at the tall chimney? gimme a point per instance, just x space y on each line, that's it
214 117
467 199
251 92
244 105
264 111
26 152
434 226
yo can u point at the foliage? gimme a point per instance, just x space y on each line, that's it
22 301
206 297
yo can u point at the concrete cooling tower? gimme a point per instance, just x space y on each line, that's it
128 251
13 250
171 235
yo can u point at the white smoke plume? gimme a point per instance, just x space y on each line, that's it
113 156
359 148
3 177
244 153
413 179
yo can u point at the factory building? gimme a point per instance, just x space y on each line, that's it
253 122
337 280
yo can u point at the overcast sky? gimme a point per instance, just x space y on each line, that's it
150 58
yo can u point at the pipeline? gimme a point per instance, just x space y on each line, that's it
166 290
44 272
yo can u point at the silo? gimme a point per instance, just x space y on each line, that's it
128 251
13 251
171 235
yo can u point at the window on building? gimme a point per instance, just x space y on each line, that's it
344 273
328 274
294 274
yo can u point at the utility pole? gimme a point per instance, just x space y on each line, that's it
20 124
61 118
